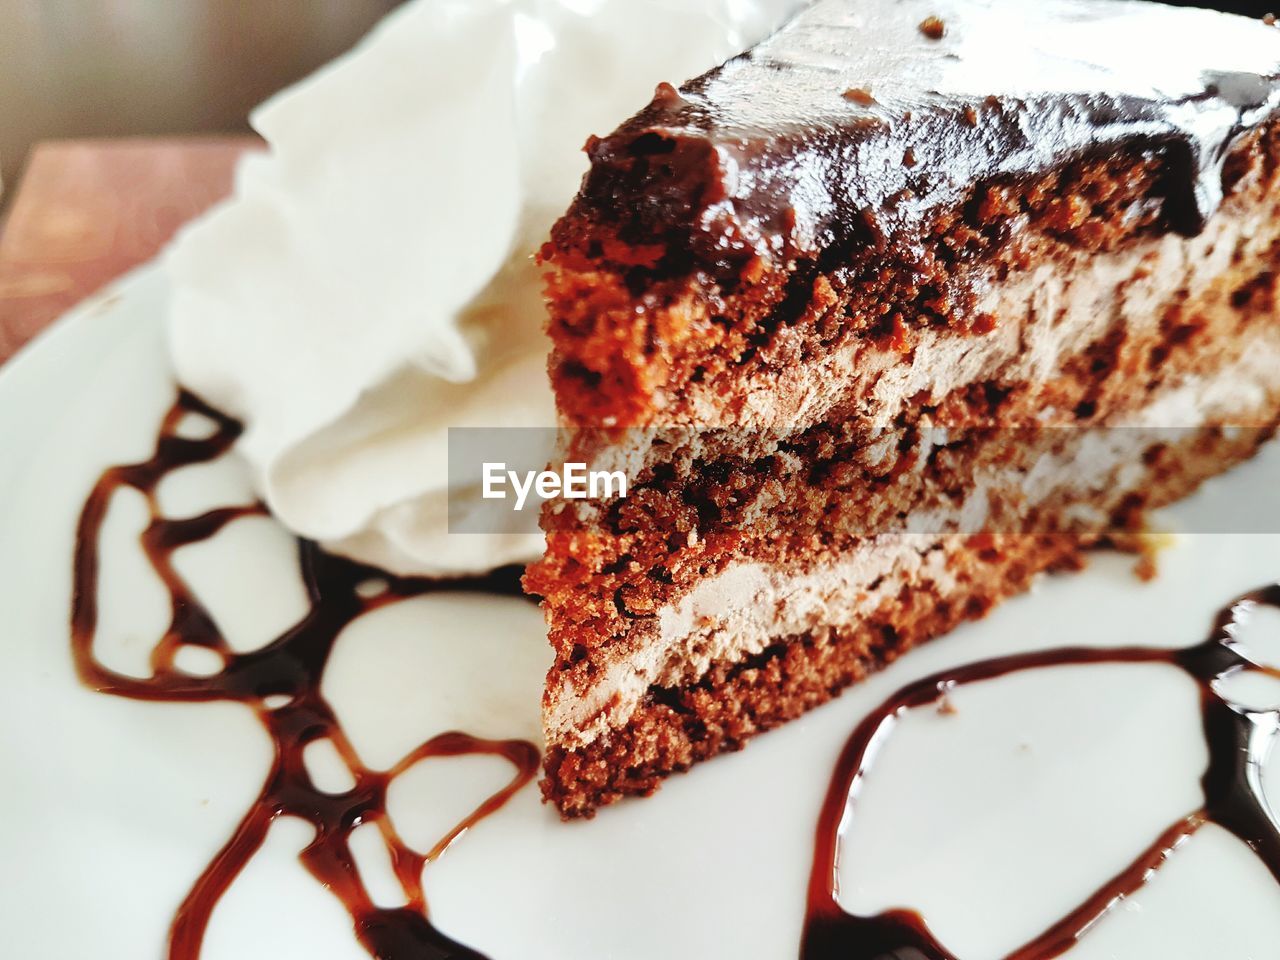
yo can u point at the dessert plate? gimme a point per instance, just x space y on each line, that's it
992 817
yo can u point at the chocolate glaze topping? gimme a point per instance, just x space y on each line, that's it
768 154
1239 740
281 683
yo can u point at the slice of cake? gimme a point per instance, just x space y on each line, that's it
908 303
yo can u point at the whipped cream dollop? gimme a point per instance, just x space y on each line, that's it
370 283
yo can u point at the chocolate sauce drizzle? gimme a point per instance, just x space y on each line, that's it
1238 738
281 684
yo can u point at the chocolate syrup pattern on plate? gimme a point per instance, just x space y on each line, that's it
281 684
1238 739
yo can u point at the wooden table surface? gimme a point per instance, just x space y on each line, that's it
87 211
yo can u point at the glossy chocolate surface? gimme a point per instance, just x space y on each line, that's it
862 118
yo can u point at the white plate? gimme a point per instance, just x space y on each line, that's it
111 808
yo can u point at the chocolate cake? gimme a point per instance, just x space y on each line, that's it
908 303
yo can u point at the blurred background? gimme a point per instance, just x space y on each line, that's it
82 68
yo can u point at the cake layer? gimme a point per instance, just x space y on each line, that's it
1066 308
881 320
715 496
770 671
1086 482
1010 290
675 727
